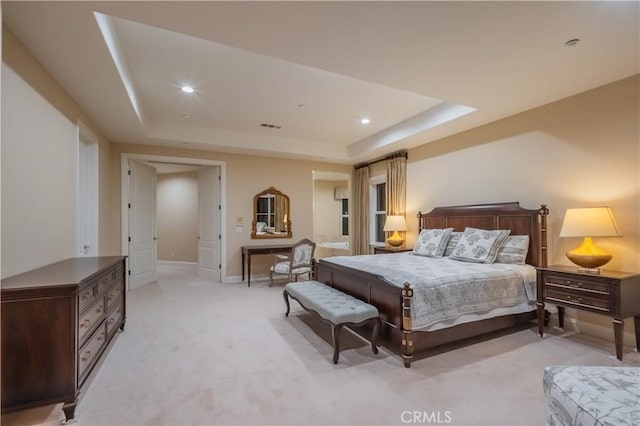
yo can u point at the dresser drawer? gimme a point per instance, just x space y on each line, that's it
90 351
114 292
114 316
90 319
577 284
578 300
104 281
87 296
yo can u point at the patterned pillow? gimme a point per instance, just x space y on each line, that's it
432 242
451 244
479 245
514 250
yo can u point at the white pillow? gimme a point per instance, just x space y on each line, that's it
432 242
514 250
479 245
451 244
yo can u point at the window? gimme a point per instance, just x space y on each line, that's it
344 217
378 209
266 210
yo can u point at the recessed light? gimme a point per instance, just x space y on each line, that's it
187 89
186 116
572 42
365 121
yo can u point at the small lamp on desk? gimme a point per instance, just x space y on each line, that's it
589 222
395 224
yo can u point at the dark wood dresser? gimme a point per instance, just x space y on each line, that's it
57 322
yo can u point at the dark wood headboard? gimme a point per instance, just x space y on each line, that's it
495 216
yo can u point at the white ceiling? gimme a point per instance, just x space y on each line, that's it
419 70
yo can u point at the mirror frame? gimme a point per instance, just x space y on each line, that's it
270 190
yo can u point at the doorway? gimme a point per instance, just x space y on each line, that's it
212 218
331 220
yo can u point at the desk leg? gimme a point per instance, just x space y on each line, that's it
561 316
248 269
243 266
618 331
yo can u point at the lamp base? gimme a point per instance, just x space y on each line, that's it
395 240
593 271
589 256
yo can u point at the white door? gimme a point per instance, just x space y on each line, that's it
209 217
142 224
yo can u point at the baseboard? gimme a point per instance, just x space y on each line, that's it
573 324
182 262
606 333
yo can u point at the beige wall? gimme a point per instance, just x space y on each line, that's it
326 211
580 151
38 204
177 216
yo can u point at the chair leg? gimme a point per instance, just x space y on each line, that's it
270 278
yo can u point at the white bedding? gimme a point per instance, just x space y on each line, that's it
449 292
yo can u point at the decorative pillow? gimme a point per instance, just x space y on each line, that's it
479 245
451 244
514 250
432 242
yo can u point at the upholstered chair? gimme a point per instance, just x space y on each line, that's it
299 262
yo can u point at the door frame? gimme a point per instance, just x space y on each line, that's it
124 199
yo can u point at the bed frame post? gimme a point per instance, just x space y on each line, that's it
407 334
543 212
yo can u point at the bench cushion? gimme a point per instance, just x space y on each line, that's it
592 395
331 304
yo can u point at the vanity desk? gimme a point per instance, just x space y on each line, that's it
248 251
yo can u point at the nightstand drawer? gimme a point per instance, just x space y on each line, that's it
577 299
576 284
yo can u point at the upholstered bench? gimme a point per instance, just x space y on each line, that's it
335 307
592 395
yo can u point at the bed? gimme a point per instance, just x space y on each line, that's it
396 302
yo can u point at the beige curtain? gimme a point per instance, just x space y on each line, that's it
281 209
396 190
360 211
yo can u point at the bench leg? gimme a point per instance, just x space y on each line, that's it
336 342
286 301
374 337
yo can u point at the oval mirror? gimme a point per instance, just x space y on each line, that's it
271 217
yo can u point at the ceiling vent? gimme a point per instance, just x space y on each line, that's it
271 126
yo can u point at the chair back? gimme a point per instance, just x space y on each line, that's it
302 253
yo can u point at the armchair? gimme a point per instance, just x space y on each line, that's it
300 261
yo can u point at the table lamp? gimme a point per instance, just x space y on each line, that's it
589 222
395 224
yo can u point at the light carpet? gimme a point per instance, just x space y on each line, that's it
195 352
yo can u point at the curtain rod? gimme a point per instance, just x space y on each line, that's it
388 157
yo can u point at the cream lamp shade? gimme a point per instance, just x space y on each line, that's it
395 224
589 222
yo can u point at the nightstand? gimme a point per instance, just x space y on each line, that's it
381 250
611 293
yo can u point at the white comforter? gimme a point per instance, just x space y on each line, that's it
445 289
